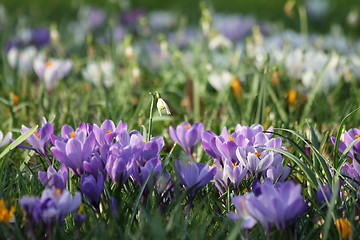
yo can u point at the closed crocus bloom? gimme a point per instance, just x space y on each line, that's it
194 175
6 214
143 150
324 193
55 179
52 71
5 140
119 162
187 135
92 188
343 226
75 151
141 173
40 36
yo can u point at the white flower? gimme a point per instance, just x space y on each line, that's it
161 105
220 81
4 140
219 41
22 59
52 71
97 72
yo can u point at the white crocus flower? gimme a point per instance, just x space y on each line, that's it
52 71
219 41
5 140
22 59
97 72
220 81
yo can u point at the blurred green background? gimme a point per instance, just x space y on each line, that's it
57 10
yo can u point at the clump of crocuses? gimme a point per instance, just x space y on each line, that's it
50 209
280 205
243 152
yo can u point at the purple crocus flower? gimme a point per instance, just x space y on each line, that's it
247 221
187 136
67 132
324 193
40 36
55 179
228 172
94 164
349 137
92 188
350 170
277 172
194 175
165 186
53 206
119 162
131 17
143 150
245 147
114 206
106 133
234 27
256 162
15 43
75 151
141 173
41 137
279 205
92 18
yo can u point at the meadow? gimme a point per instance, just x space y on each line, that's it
130 122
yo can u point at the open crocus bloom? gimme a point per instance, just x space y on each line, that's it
52 71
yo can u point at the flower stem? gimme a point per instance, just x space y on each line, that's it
151 116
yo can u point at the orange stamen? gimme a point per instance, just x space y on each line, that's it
72 134
258 154
357 136
36 134
186 127
231 138
108 131
49 64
